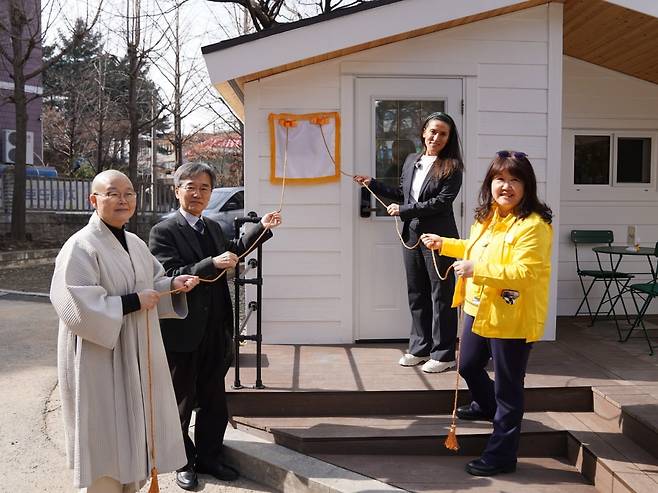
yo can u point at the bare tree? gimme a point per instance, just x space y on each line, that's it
22 26
144 45
185 77
326 6
265 14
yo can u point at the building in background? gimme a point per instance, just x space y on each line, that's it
7 114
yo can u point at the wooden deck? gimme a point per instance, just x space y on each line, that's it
582 356
591 421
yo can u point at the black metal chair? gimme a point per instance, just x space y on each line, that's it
646 291
600 275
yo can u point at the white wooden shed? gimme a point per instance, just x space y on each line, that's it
550 78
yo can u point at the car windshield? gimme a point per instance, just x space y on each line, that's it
218 196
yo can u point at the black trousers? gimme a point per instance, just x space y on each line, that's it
433 321
198 379
501 398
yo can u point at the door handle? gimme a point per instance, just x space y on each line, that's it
365 203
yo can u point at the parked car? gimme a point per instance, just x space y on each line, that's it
226 203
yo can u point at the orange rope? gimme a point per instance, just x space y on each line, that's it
154 487
287 125
397 219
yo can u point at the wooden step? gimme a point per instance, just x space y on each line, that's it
373 402
631 409
553 445
605 456
398 434
430 474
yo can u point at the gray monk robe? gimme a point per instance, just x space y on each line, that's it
102 358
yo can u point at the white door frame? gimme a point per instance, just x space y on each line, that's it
352 150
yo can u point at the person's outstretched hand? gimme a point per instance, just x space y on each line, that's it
185 283
226 260
362 179
271 219
464 268
432 241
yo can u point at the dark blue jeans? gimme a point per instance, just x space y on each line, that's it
501 398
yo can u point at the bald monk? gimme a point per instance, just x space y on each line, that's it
105 284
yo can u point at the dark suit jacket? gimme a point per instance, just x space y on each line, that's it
434 207
176 245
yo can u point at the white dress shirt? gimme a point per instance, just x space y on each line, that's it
190 218
423 167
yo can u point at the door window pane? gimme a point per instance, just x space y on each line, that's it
397 134
592 160
633 160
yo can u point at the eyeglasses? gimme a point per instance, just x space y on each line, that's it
128 196
193 189
512 154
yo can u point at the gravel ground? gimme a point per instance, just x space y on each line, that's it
33 279
31 427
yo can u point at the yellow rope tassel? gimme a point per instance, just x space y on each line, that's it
154 488
451 442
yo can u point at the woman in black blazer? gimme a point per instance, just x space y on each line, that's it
429 184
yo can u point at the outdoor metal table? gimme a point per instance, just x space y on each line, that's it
620 252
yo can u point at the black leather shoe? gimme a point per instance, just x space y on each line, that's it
187 479
478 467
219 471
468 413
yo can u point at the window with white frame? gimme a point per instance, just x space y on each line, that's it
614 159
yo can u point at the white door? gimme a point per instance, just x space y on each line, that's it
388 116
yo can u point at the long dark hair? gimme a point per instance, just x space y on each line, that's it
518 165
449 159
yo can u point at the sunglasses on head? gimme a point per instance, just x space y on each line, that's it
512 154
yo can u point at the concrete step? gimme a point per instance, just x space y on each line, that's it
291 472
23 258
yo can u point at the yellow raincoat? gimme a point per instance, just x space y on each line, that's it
517 261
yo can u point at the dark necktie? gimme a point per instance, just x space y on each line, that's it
200 226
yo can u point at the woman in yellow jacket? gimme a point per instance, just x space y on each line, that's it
503 286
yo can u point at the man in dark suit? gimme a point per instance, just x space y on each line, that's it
199 347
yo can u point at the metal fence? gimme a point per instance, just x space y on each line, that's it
72 195
162 200
57 194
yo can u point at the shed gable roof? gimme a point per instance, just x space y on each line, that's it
592 31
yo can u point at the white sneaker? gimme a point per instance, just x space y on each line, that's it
433 366
411 360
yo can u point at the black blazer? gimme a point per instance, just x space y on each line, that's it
434 207
175 244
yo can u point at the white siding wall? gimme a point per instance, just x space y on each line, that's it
598 98
505 62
